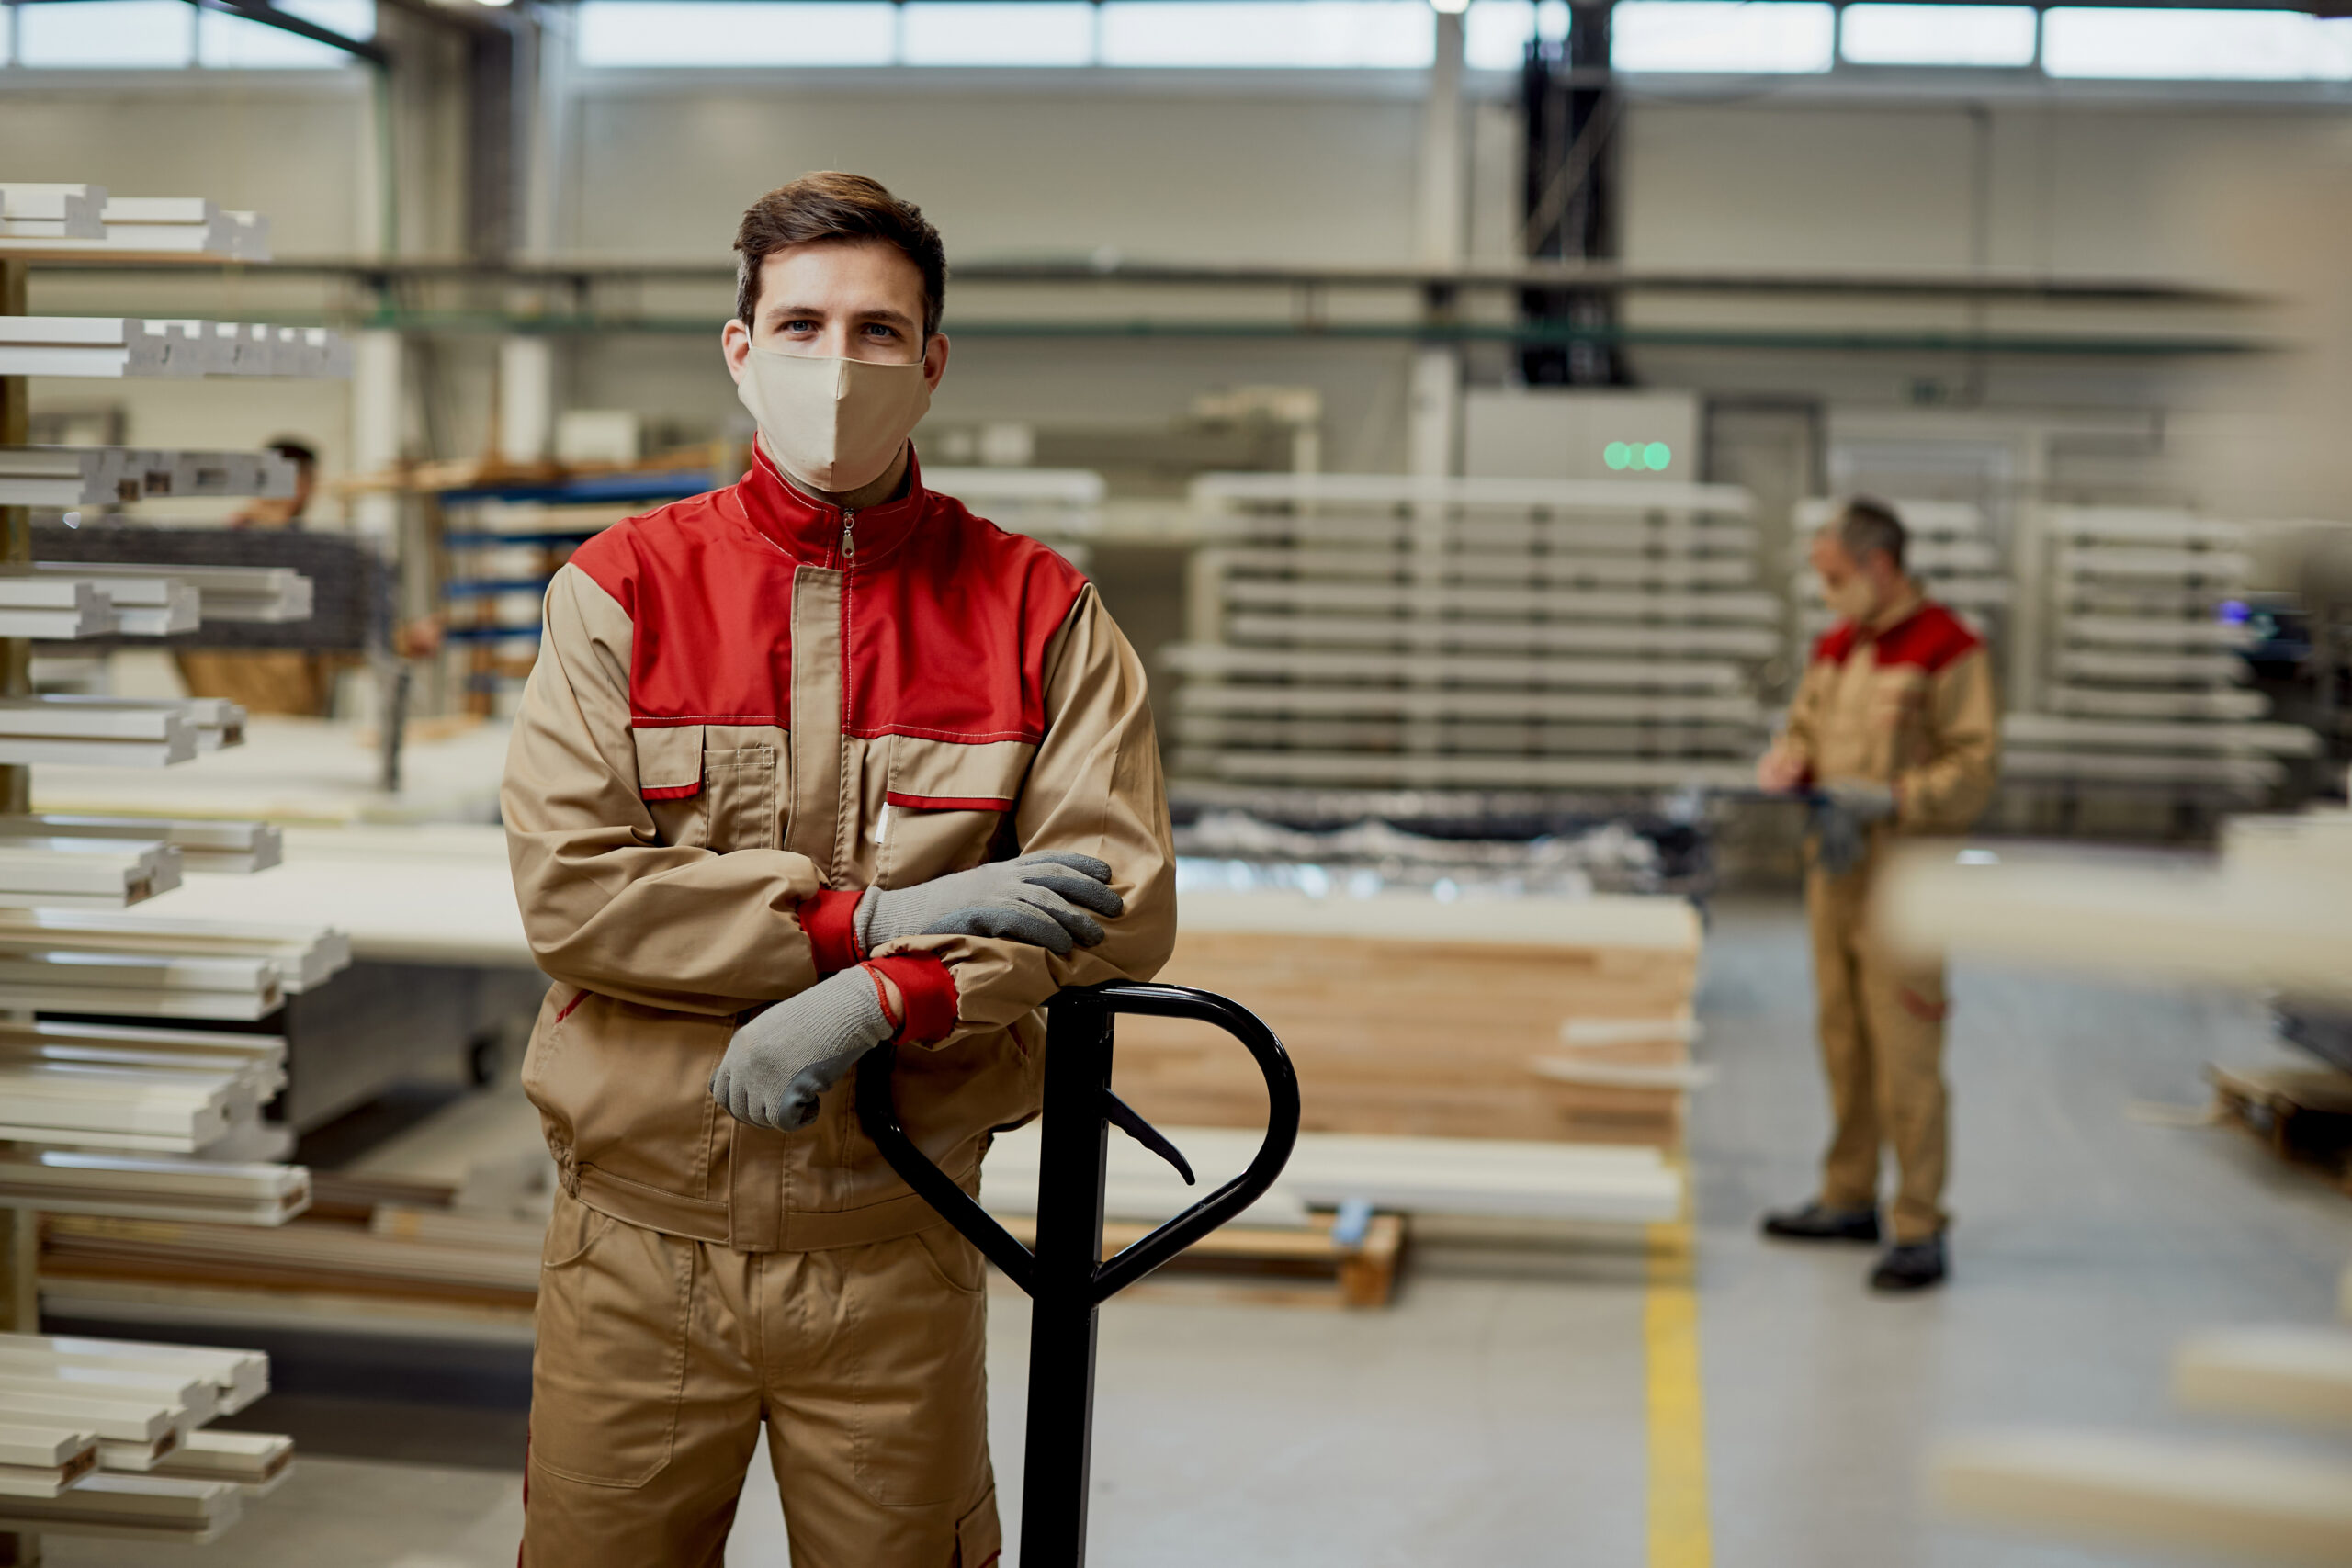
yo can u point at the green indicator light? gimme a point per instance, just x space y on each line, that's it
1617 454
1656 456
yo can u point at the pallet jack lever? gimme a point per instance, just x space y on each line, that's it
1128 1120
1067 1277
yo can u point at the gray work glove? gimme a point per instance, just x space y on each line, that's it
778 1064
1842 815
1041 899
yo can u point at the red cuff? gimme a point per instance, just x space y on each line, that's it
929 991
829 921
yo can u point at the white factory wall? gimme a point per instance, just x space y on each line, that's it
1306 169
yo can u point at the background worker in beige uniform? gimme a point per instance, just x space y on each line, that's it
813 764
1895 724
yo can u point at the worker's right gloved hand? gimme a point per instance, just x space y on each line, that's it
1041 899
1842 815
778 1063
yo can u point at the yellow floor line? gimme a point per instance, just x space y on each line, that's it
1679 1533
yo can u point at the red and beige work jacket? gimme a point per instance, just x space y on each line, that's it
1905 702
748 707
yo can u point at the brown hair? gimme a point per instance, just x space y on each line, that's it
832 206
1868 525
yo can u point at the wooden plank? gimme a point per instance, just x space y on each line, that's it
1455 669
2227 1504
2293 1373
1491 636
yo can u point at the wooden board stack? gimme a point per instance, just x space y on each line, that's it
1470 634
112 348
105 475
116 731
74 221
2137 670
101 1437
1533 1018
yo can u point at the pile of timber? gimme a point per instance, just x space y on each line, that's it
204 845
69 600
148 1090
102 1436
80 221
116 731
2223 1499
1534 1019
112 348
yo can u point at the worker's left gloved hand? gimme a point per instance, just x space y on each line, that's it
778 1064
1842 815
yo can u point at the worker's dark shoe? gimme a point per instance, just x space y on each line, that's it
1911 1265
1817 1222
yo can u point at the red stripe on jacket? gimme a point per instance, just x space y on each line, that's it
944 634
1930 637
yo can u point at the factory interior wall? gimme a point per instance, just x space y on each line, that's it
1292 167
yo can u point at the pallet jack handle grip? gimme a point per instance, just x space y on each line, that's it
1084 1014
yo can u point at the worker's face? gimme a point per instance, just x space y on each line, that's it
1857 590
839 299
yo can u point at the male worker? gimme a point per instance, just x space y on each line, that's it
812 765
268 680
1893 725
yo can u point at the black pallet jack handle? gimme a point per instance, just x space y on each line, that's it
1066 1276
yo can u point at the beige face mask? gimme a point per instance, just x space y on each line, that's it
832 425
1852 599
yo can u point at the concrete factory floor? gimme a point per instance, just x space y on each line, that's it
1506 1419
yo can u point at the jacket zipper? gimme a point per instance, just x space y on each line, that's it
849 536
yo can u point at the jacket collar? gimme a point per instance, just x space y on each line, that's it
810 530
1908 603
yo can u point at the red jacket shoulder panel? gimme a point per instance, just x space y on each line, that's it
1933 638
1832 646
946 640
944 634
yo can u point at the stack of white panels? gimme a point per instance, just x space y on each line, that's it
140 1187
125 732
1371 632
116 347
267 593
56 610
84 873
133 1411
104 475
141 601
2143 688
205 845
306 956
71 219
55 975
53 211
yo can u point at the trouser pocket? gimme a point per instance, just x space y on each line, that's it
917 1338
610 1368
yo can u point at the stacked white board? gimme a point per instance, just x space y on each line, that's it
111 348
2141 684
105 476
46 220
1366 631
103 1437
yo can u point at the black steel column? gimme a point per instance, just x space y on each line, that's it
1056 1468
1571 111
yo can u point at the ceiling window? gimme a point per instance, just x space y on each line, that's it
240 43
1720 36
96 34
1988 36
659 33
1399 34
2168 45
985 32
1496 32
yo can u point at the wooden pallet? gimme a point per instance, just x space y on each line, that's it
1360 1274
2302 1114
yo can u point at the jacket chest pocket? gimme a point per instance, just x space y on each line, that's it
705 797
946 808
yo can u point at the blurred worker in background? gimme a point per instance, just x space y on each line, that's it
268 680
1894 730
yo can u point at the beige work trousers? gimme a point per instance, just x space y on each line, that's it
660 1358
1882 1024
